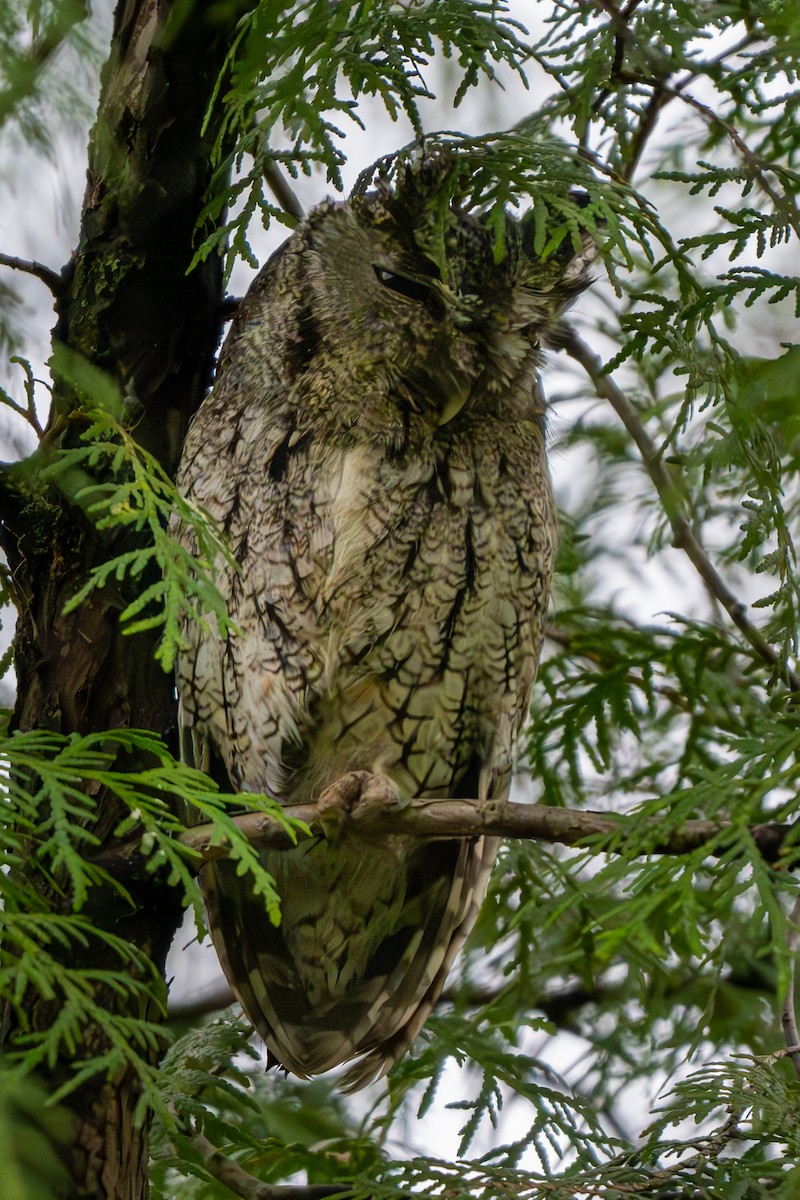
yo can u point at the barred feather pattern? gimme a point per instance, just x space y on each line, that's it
374 449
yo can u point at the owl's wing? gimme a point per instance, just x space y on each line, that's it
368 932
247 694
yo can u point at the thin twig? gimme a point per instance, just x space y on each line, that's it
619 18
282 192
782 202
663 94
658 100
28 413
230 1173
683 536
52 278
788 1015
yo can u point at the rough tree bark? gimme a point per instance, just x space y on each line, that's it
128 306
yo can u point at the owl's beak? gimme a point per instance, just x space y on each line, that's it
464 320
454 404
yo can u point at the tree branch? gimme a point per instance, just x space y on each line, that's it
663 94
683 536
212 999
282 192
54 280
788 1014
232 1175
367 805
759 168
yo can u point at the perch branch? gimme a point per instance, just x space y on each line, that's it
683 536
368 806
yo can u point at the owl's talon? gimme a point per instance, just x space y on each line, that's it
355 799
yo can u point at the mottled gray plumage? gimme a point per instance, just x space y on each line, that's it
374 449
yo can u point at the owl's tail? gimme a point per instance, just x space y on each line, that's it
367 937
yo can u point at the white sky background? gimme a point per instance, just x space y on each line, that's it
40 205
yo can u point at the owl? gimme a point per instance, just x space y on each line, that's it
374 450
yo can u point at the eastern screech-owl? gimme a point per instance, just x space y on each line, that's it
373 448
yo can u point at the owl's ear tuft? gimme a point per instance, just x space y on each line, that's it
405 185
409 197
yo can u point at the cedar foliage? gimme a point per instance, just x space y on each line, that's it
676 972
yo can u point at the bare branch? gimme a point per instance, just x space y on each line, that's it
28 413
788 1015
53 279
219 995
647 123
367 805
282 192
683 536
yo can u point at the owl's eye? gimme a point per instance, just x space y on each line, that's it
404 285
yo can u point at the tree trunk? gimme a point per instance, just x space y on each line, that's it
129 307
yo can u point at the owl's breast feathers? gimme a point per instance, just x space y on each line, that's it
395 574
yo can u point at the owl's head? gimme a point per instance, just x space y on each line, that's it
476 261
407 297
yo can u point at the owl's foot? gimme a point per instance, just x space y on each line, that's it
356 801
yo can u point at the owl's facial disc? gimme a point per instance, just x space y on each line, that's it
451 384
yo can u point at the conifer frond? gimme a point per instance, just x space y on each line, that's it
128 496
322 60
52 784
